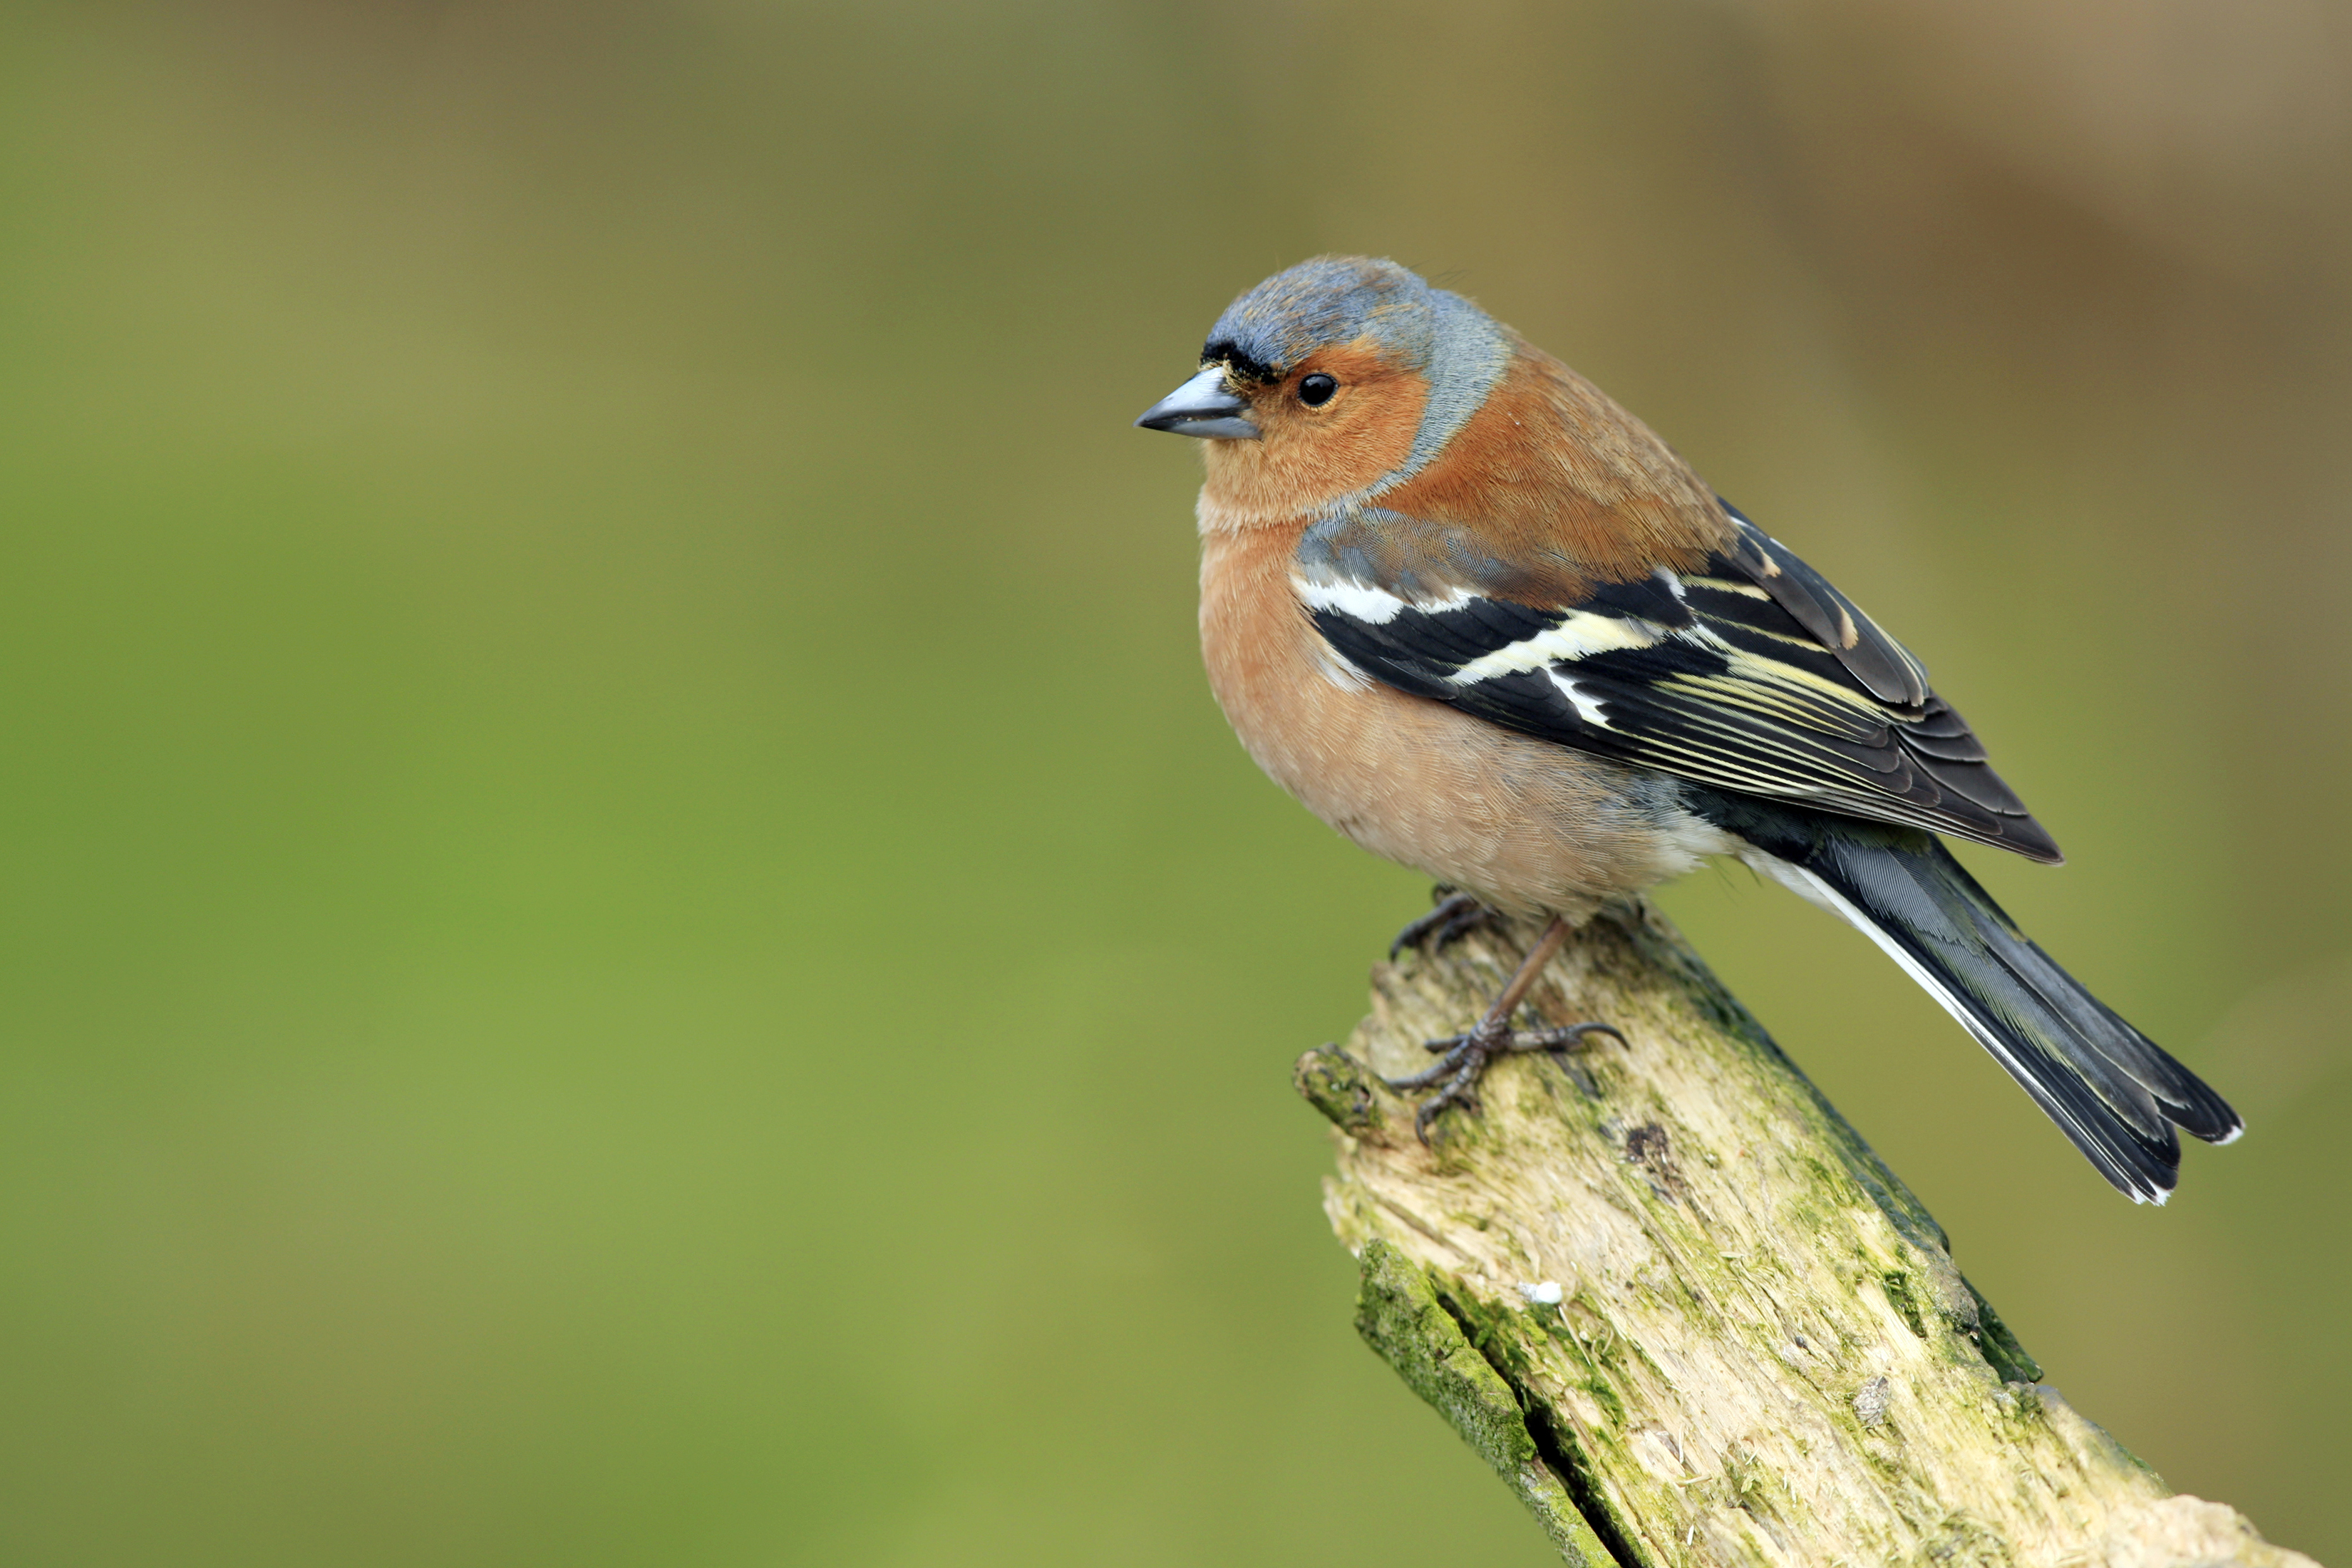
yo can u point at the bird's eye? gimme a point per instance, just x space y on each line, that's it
1316 390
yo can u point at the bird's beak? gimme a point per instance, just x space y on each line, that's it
1202 406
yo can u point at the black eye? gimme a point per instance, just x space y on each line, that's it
1316 390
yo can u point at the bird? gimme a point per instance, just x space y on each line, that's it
1483 622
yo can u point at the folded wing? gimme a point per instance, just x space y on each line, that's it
1752 674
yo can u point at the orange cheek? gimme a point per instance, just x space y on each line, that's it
1308 458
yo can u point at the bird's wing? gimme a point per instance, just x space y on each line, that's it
1752 674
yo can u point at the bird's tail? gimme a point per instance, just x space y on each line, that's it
2109 1087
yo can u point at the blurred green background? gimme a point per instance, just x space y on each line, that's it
631 938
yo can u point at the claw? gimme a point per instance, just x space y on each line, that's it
1461 925
1463 1060
1428 1113
1456 915
1568 1037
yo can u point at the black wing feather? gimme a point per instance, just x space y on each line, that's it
1753 675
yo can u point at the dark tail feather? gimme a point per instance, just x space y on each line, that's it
2109 1087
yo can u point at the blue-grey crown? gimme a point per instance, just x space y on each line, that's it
1336 299
1320 304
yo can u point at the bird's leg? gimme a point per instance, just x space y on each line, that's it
1466 1057
1454 916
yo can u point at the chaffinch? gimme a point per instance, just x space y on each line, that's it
1483 622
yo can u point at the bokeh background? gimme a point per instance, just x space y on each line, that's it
630 937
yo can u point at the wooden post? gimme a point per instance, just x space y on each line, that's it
1683 1309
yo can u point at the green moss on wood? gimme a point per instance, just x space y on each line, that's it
2000 1347
1341 1088
1897 1286
1399 1313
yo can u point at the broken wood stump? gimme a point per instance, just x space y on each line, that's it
1685 1312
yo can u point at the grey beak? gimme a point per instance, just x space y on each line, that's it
1202 406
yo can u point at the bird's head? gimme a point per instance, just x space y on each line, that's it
1333 381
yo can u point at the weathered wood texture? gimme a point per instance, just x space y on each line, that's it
1683 1309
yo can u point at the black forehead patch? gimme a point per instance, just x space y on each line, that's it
1239 360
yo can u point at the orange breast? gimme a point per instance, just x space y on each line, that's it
1526 825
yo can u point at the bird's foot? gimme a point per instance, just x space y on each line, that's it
1463 1058
1456 916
